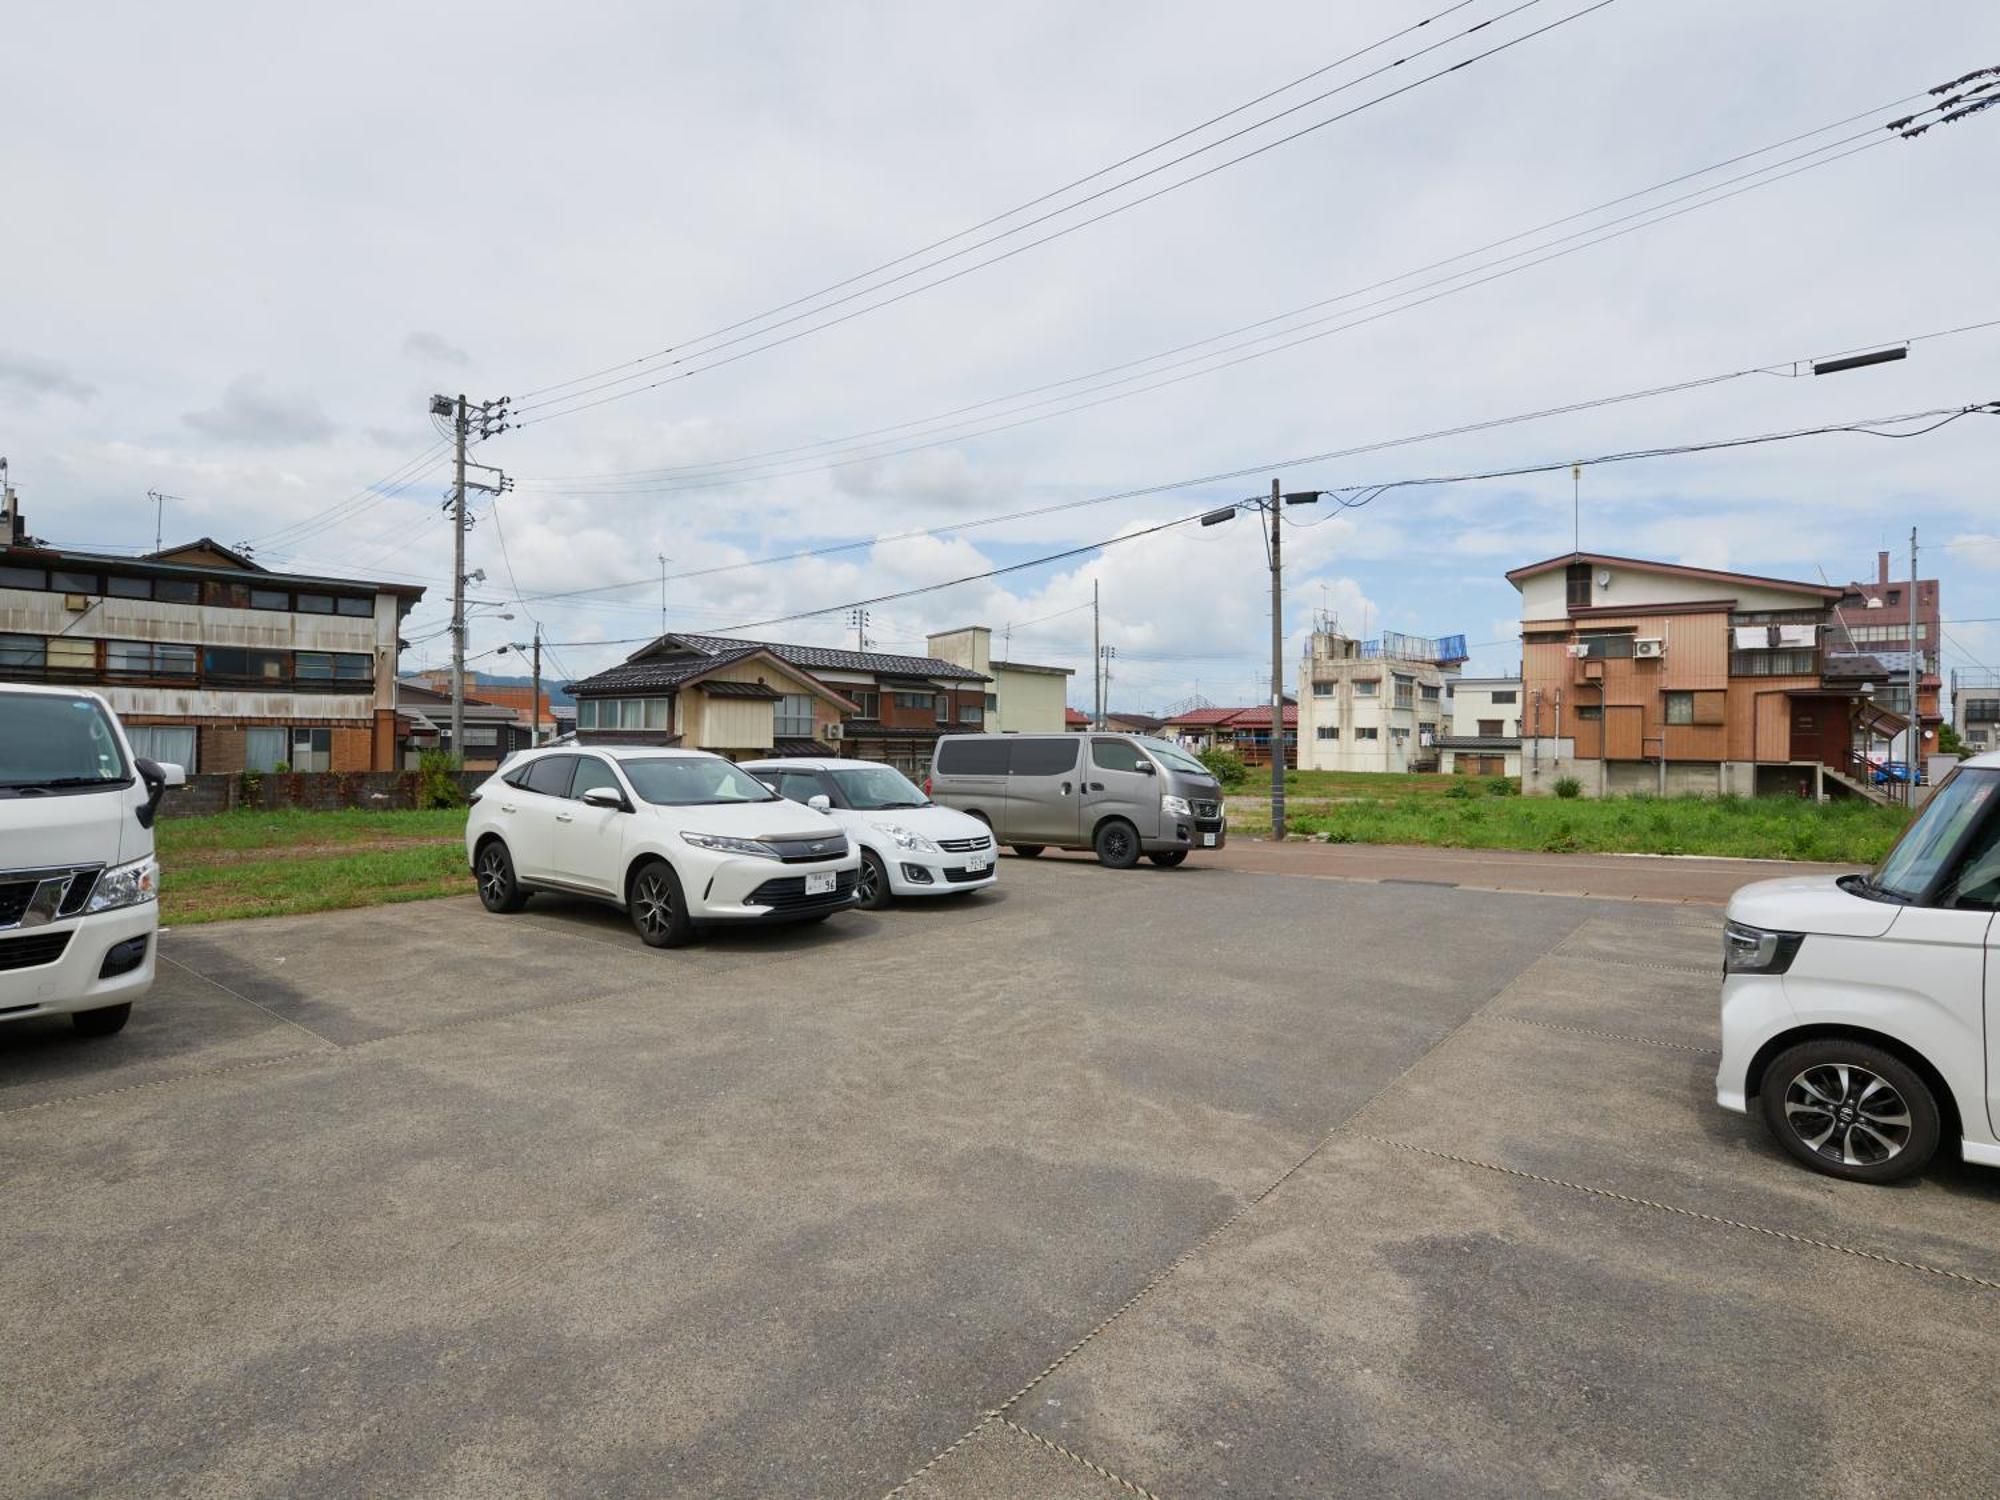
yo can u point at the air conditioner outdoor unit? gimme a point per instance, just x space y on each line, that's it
1649 648
76 604
834 732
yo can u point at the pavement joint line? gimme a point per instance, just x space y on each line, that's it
1689 1213
239 995
1705 970
1616 1036
1096 1468
1489 890
316 1054
942 1454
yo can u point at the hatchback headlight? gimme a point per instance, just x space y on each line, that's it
1176 807
126 885
723 844
1754 950
906 838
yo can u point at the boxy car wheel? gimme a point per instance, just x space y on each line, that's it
1850 1110
494 871
104 1021
1117 845
659 909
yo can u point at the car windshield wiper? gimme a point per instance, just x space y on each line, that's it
896 806
59 781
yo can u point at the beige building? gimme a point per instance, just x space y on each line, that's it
1483 736
1371 705
1021 698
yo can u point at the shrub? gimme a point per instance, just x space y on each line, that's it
1460 789
1568 787
1226 766
437 780
1502 786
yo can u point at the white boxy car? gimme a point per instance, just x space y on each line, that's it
909 845
680 839
79 888
1861 1013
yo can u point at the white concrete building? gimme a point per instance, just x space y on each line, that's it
1371 705
1975 709
1484 733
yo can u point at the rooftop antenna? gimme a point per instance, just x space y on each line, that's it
159 505
1576 508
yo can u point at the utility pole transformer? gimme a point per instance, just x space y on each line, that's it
490 420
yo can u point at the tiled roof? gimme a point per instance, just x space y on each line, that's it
1075 718
833 659
741 690
1250 718
1205 716
663 672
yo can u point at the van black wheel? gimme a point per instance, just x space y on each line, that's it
1850 1110
104 1021
1117 845
871 890
659 909
1167 859
494 871
1029 851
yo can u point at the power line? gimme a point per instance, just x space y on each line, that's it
553 409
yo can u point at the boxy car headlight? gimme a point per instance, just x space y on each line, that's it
908 839
126 885
1176 807
723 844
1753 950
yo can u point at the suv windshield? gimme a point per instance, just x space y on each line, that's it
1172 756
1913 863
690 781
49 742
877 788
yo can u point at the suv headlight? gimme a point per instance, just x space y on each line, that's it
1753 950
908 839
126 885
1176 807
723 844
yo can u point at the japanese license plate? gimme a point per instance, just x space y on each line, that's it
1208 841
978 864
821 883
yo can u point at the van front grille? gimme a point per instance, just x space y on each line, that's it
32 952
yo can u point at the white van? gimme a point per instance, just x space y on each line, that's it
79 886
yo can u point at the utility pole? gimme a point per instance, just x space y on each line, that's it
858 618
1097 660
491 419
1277 667
1106 655
1916 729
535 702
663 591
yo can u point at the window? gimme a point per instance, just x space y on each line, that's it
264 749
22 651
993 703
1405 692
315 604
270 599
1576 583
791 717
1116 755
169 744
75 583
312 749
72 653
176 591
1506 695
1680 708
1324 689
980 757
1588 712
354 607
233 664
913 700
693 780
624 713
1492 726
593 772
877 789
971 713
1328 732
1366 687
44 737
1368 733
1797 663
1605 645
1895 596
586 713
226 595
149 658
943 709
1043 756
1428 691
868 704
550 775
128 588
23 578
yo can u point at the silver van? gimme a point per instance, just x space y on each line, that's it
1121 795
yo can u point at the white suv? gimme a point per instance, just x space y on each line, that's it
1863 1012
681 839
909 845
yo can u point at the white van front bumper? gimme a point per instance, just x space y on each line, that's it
61 964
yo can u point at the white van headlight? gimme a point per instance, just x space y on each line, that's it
1755 950
126 885
906 838
1176 807
723 844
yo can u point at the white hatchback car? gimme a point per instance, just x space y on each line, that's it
681 839
909 845
1862 1012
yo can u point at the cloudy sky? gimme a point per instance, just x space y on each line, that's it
245 244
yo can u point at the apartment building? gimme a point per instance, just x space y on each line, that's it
1975 709
1644 676
1376 705
213 661
1483 737
1021 697
748 699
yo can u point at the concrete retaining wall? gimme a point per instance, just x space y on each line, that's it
319 791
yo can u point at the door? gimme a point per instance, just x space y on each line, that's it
590 841
528 809
1044 790
1121 782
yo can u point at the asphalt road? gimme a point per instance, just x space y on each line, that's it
1185 1183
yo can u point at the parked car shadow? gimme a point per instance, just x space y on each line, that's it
608 924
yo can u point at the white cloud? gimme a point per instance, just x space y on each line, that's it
255 414
436 348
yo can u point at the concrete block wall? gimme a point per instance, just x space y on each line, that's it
318 791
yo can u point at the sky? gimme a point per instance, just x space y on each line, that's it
244 246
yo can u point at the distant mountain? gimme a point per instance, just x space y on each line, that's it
551 685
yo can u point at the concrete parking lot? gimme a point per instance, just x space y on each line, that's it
1190 1183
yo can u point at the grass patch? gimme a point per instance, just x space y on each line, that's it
268 864
1744 828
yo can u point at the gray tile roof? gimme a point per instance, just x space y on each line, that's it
660 673
833 659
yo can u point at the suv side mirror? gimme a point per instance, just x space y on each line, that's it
1146 768
605 796
154 776
820 803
